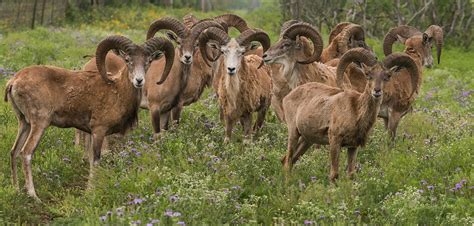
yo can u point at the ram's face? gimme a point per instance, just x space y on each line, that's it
377 76
186 47
420 47
283 50
233 54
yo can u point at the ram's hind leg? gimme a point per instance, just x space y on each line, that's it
351 162
393 121
98 136
293 137
334 150
23 131
260 119
36 132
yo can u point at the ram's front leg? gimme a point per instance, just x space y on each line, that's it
94 157
229 124
334 150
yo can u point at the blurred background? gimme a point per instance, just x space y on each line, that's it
377 16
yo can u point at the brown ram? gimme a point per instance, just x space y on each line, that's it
320 114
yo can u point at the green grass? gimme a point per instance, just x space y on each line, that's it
190 171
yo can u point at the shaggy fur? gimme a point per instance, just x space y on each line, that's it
244 93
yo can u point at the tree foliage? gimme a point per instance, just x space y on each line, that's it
378 16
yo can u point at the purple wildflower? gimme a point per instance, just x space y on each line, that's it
216 159
236 187
466 93
313 178
168 213
137 201
138 154
176 214
423 182
155 221
190 160
463 181
430 187
109 213
308 222
458 186
149 224
137 222
420 191
173 198
181 223
66 159
103 218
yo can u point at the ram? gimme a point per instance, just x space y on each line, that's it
295 57
400 93
319 114
244 87
343 37
91 101
202 74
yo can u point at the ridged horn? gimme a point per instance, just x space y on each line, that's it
287 24
437 33
357 55
337 30
355 31
305 29
404 61
112 42
167 23
233 20
164 45
392 36
198 28
258 35
212 33
189 20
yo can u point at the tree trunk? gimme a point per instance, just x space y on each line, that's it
34 15
42 12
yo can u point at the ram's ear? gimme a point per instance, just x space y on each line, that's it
427 39
401 39
172 36
156 55
395 69
122 54
213 45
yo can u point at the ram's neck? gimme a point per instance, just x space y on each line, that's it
367 109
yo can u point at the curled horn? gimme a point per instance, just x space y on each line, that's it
337 30
233 20
436 32
392 36
404 61
287 24
258 35
198 28
161 44
212 33
305 29
109 43
167 23
355 31
190 20
357 55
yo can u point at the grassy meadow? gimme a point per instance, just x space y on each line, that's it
188 176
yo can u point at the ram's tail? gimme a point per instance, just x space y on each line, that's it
8 89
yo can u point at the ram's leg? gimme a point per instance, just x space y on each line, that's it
246 121
303 146
229 124
36 132
176 113
393 121
155 118
334 150
23 131
293 137
260 119
351 162
98 135
164 120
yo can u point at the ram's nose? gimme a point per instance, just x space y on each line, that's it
231 70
